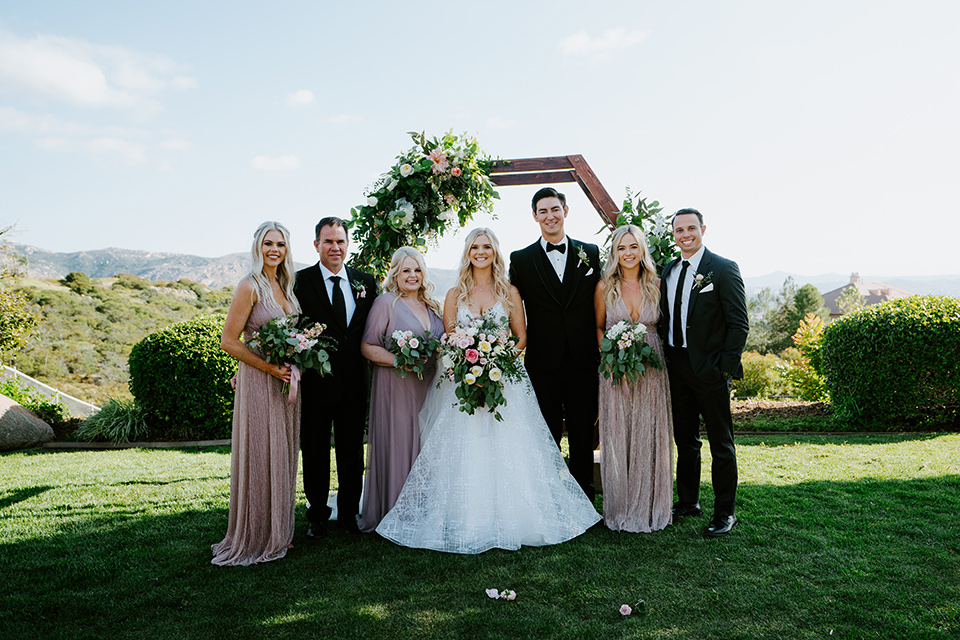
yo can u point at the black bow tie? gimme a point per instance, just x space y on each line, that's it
562 248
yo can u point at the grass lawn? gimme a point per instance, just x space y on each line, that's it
849 536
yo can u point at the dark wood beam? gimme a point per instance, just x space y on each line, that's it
514 179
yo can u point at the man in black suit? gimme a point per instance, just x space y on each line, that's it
703 322
340 297
556 277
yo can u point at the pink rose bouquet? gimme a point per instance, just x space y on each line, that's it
479 358
280 342
410 351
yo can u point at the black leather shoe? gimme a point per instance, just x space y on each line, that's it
681 510
721 526
317 531
350 525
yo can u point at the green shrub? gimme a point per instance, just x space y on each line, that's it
896 364
51 411
181 379
117 421
804 371
760 377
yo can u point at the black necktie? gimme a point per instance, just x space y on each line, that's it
562 248
339 306
677 301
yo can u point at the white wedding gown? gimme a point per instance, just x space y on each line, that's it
480 484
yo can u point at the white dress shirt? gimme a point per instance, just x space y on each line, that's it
348 300
557 259
672 279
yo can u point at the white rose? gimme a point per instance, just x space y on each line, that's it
447 362
371 201
405 170
484 346
393 184
495 374
469 378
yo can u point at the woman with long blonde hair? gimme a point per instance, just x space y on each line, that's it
266 428
393 440
479 482
636 428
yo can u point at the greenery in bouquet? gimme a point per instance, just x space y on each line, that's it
280 341
411 352
437 185
479 358
625 353
656 226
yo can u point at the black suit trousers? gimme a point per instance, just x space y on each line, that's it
346 420
691 397
570 393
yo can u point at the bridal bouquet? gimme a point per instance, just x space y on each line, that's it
479 358
411 351
282 342
624 352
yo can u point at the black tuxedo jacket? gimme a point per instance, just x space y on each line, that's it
348 381
560 316
717 321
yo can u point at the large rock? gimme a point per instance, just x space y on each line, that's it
20 428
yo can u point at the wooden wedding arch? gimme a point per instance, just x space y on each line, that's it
554 170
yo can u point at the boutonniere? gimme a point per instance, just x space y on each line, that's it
700 280
359 288
583 257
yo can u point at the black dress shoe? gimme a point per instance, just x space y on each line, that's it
350 525
721 526
317 531
681 510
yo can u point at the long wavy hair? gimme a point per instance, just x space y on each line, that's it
613 272
465 281
285 270
425 292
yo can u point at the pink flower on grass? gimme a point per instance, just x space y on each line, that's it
625 610
472 355
493 593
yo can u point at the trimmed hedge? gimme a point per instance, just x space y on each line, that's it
181 379
896 364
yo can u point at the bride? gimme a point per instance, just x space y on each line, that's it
480 483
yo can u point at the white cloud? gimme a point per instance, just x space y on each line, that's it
14 120
301 98
131 153
283 163
604 45
85 74
176 144
53 143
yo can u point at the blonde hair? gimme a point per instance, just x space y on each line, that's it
465 282
613 272
425 292
285 270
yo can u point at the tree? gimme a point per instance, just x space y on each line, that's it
760 310
851 300
793 304
16 321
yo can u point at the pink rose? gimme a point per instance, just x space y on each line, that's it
625 610
401 343
472 355
414 343
455 171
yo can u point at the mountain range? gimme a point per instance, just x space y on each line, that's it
229 269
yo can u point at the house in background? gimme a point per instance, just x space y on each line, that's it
872 292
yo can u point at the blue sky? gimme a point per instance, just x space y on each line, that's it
815 137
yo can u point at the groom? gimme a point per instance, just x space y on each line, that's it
556 277
703 323
340 297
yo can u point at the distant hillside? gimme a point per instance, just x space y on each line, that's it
227 271
106 263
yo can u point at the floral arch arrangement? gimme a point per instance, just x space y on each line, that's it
438 183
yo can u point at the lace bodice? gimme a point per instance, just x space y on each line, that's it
497 312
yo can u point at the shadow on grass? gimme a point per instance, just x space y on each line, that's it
13 496
779 439
859 559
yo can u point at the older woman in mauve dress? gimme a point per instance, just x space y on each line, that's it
266 428
393 442
636 425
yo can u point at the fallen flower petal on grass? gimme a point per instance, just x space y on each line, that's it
625 610
493 593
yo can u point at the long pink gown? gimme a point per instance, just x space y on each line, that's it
636 440
263 462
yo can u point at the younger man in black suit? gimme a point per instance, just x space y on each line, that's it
704 325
